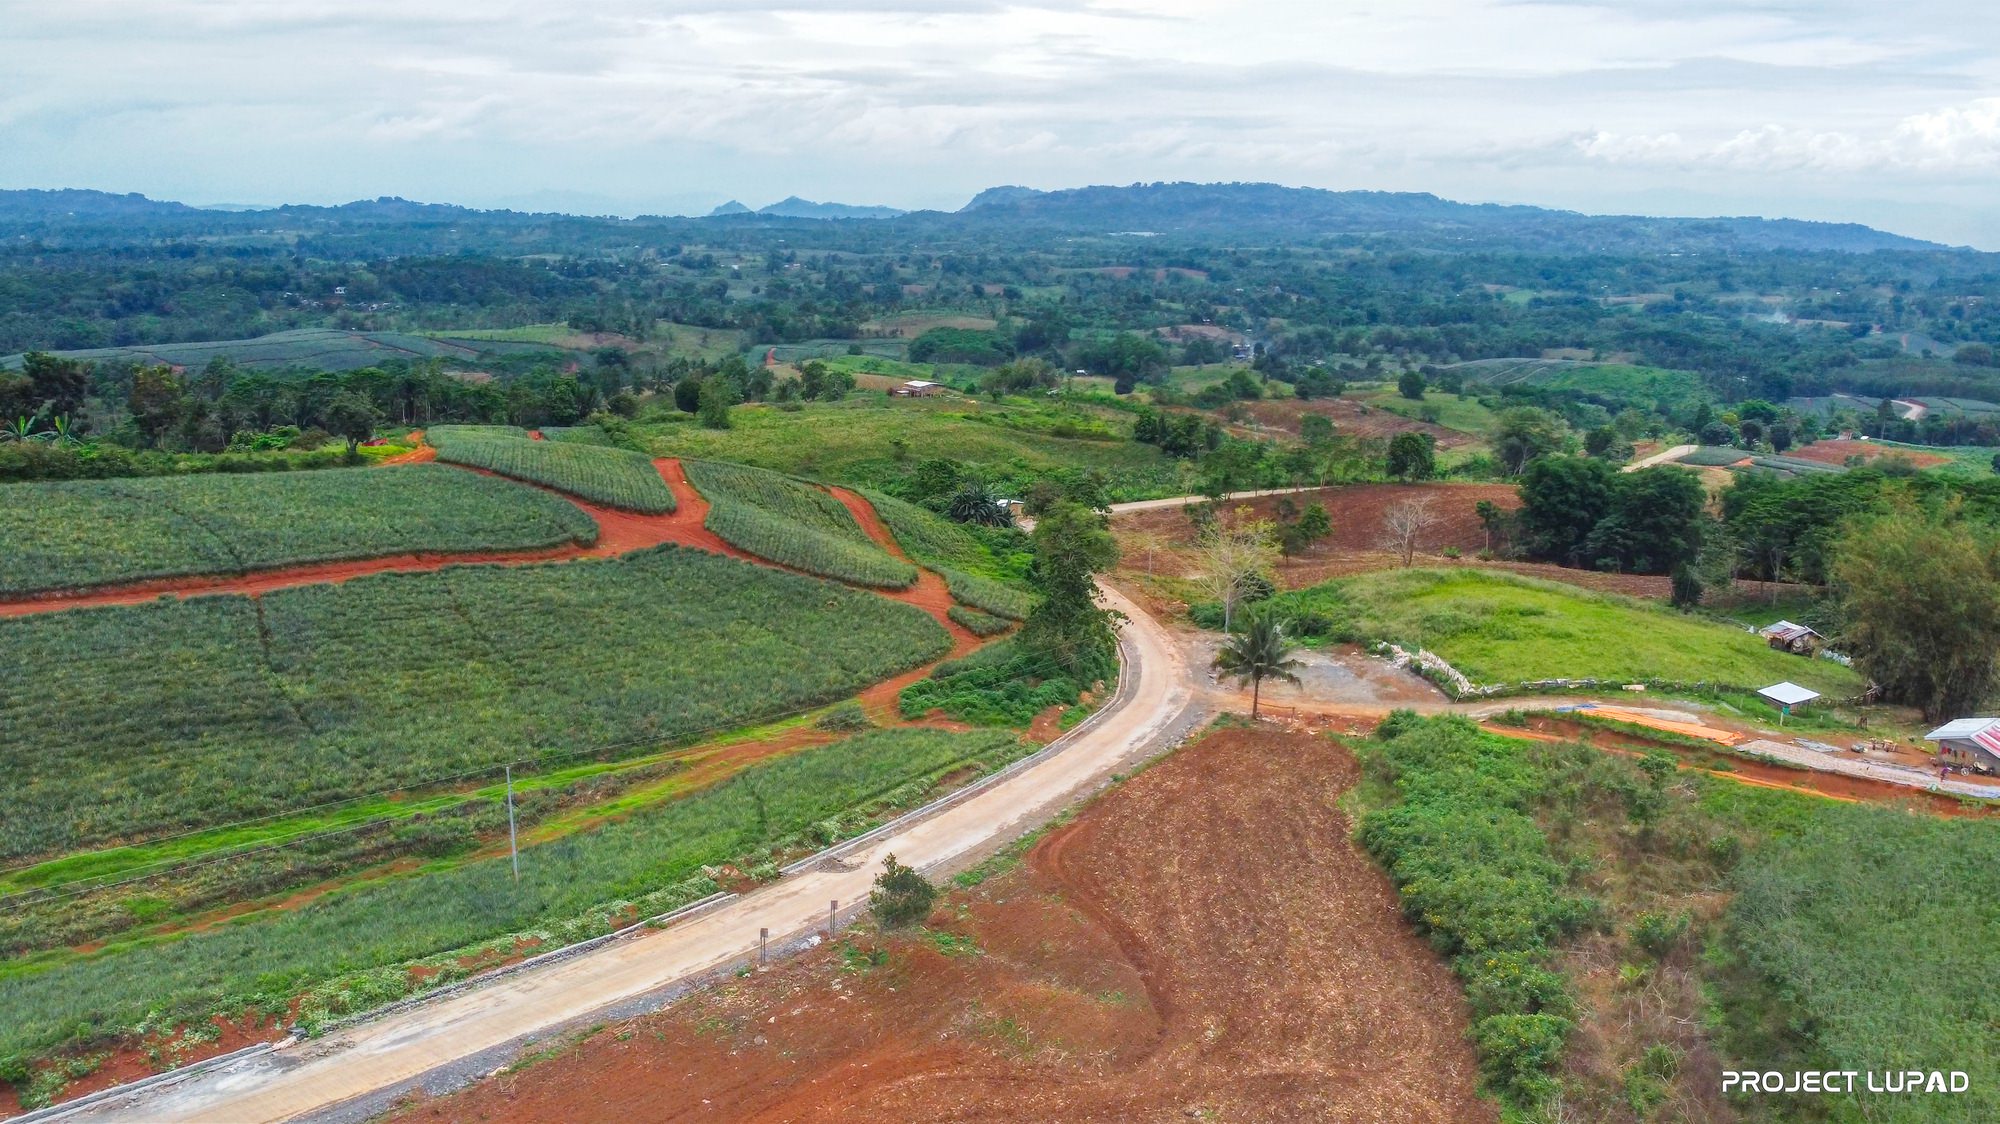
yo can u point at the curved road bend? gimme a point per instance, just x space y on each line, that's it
1156 704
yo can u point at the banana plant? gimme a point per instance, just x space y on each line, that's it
20 429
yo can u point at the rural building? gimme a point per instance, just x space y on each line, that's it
1794 638
1973 743
918 388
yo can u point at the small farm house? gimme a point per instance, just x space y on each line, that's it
918 388
1794 638
1973 743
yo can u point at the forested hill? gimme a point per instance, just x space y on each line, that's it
1233 213
1264 208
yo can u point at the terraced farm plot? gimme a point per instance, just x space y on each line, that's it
77 534
954 552
614 477
122 723
569 889
794 524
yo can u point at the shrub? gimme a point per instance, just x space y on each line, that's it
845 717
901 897
1518 1052
1658 934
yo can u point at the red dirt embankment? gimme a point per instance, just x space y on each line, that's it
1205 942
1837 450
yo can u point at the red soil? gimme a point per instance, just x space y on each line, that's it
1359 541
1149 962
132 1063
1837 451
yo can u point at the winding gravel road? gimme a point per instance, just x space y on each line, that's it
357 1071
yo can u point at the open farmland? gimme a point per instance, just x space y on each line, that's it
75 534
873 441
1619 380
126 722
323 349
354 949
1502 628
794 524
615 477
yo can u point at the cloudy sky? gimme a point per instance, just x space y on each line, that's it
1861 110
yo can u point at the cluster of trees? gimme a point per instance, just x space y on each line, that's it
1580 511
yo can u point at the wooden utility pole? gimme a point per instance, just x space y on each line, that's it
513 844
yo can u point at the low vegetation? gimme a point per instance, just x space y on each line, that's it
353 950
76 534
1500 628
984 567
1625 930
128 721
614 477
794 524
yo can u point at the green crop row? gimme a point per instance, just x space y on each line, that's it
794 524
615 477
978 623
77 534
352 948
129 721
971 566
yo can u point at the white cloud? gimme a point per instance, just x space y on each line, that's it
923 101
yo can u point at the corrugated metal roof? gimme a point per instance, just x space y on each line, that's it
1963 729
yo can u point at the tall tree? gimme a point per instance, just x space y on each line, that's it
1921 595
353 418
1413 456
1261 651
1233 555
1406 523
1068 626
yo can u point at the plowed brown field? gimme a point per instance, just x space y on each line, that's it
1205 942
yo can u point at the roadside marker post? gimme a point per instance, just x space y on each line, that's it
833 917
513 845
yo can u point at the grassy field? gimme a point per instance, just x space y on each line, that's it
1620 380
83 533
793 523
1502 628
615 477
131 721
339 950
1466 415
873 441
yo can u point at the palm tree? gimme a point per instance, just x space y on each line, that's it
1260 651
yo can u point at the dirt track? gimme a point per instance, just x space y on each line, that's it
1150 962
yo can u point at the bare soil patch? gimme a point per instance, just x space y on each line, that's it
1350 418
1836 451
1205 942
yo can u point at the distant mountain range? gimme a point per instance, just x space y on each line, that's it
1191 208
1203 212
794 207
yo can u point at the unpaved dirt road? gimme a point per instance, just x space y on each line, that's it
1155 705
1661 457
